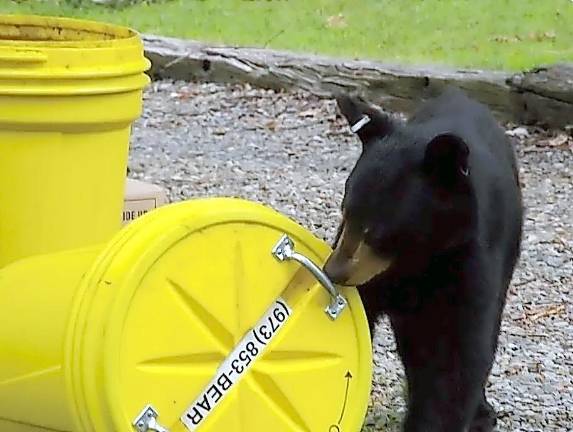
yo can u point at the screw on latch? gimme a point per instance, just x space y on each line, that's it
146 421
284 251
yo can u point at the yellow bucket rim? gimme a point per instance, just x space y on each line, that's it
112 35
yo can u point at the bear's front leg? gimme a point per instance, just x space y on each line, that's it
447 348
446 405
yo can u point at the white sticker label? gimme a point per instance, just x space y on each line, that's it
235 366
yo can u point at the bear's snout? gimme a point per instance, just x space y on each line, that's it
336 269
355 268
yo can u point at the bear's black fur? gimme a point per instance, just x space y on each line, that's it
439 197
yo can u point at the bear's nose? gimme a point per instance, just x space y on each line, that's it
336 271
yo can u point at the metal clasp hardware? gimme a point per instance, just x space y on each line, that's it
146 421
284 251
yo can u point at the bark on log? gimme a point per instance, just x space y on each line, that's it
545 95
393 87
554 82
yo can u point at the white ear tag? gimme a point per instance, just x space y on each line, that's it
360 123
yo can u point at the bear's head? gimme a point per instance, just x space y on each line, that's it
408 197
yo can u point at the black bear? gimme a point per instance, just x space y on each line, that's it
430 235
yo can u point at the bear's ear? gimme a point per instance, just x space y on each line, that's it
446 159
364 120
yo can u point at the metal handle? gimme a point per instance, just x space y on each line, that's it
284 251
146 421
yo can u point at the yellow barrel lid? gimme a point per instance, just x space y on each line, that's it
188 314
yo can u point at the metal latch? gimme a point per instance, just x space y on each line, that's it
146 421
284 251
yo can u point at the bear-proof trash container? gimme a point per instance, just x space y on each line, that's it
209 315
69 91
187 320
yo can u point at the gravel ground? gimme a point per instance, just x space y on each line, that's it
292 152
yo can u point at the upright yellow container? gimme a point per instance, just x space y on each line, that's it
69 91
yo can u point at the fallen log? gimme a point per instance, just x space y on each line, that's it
543 97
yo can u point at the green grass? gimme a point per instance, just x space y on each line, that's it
493 34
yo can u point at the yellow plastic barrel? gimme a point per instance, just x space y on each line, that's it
185 319
69 92
92 338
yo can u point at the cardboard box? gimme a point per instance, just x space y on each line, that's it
141 197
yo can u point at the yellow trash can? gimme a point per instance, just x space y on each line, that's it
69 91
185 321
196 316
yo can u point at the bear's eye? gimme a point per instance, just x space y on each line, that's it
369 236
374 234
